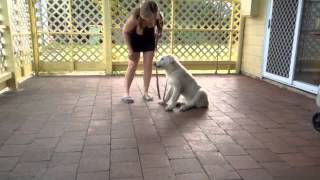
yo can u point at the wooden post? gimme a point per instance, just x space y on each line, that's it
34 36
173 4
8 46
231 34
240 47
107 35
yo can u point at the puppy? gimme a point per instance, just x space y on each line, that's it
181 82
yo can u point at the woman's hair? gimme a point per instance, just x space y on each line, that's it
146 10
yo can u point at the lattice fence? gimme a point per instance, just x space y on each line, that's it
70 30
196 31
21 33
3 63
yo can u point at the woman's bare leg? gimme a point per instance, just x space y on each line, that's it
147 66
131 70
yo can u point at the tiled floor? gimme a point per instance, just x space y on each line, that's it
67 128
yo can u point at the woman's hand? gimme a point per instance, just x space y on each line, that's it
158 35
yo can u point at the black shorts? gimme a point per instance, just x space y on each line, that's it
143 43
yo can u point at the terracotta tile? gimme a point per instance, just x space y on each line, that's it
197 176
173 141
59 159
154 161
94 164
196 136
254 174
8 163
164 173
279 169
221 139
152 148
20 139
222 172
297 159
202 145
35 169
97 140
125 170
251 144
242 162
184 166
93 176
124 155
12 150
211 158
281 147
61 172
85 124
264 155
179 152
213 130
102 151
123 143
231 149
240 134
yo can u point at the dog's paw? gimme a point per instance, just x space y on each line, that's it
169 108
183 108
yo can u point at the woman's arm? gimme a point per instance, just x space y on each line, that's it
128 27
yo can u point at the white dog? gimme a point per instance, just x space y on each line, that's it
181 82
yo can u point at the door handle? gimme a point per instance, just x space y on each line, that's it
269 23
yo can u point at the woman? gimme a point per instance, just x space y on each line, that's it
140 32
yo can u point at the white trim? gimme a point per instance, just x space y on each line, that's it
6 89
285 80
295 42
267 38
277 78
306 87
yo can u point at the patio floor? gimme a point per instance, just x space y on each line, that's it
71 128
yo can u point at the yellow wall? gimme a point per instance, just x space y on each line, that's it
253 41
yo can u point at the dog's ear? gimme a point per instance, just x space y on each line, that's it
171 59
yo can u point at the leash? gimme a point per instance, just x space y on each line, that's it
157 75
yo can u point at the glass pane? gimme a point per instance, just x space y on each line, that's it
308 63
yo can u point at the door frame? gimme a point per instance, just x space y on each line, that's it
290 80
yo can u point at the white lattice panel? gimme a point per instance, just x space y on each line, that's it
211 14
21 33
201 46
281 37
120 11
203 30
3 63
86 14
70 30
